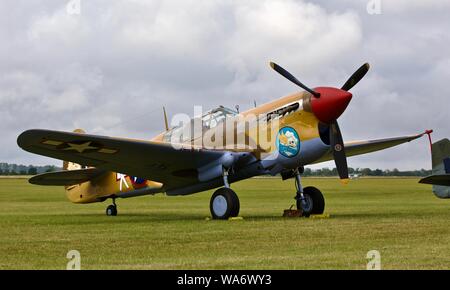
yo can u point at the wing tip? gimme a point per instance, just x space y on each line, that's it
23 138
28 137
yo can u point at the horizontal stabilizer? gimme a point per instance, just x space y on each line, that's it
67 177
440 179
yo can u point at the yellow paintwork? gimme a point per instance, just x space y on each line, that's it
305 123
102 187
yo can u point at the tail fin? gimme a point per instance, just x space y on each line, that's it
441 169
441 157
67 165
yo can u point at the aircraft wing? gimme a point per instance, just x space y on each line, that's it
363 147
145 159
66 177
440 179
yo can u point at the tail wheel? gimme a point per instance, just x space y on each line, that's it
111 210
314 202
224 204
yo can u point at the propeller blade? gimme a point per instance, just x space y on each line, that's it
337 144
290 77
356 77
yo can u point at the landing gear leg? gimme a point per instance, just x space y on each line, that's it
303 202
111 210
225 177
310 200
224 202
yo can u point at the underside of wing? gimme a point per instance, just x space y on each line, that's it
441 179
363 147
67 177
150 160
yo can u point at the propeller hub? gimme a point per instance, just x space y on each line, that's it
331 104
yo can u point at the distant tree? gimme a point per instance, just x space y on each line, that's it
51 169
378 172
334 172
326 171
308 172
23 172
32 171
366 171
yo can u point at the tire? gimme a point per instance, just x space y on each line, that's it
111 210
237 207
224 204
315 202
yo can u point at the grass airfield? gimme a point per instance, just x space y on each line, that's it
400 218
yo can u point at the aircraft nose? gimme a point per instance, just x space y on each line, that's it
331 104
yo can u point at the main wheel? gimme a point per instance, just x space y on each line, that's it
224 204
111 210
314 202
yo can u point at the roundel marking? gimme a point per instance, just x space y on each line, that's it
138 182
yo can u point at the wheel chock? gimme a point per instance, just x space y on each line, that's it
292 213
320 216
236 218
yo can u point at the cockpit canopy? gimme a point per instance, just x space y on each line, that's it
215 116
209 120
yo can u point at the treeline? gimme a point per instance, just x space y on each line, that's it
15 169
366 172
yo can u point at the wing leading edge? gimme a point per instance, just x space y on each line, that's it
150 160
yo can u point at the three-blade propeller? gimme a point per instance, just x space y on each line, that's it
336 140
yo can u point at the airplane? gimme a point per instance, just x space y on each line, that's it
301 129
441 169
355 176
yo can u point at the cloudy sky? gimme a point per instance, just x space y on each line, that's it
109 66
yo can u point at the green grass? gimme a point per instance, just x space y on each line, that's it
398 217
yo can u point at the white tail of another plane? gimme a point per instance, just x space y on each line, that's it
441 169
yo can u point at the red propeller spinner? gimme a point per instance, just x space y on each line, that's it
331 104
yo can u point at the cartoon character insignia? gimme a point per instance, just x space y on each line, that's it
288 142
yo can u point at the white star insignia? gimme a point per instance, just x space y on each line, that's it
80 148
